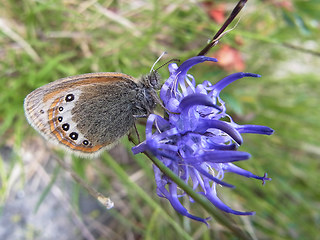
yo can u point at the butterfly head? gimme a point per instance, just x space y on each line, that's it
152 80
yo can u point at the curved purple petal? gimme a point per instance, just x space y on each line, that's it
208 175
139 148
168 133
205 124
172 197
237 170
231 78
186 65
196 99
219 204
257 129
217 146
180 74
217 156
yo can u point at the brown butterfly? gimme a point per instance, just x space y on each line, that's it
88 113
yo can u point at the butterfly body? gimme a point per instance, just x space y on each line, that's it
90 112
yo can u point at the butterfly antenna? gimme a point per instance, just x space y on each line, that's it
162 54
171 60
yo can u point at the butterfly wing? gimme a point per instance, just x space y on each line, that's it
85 113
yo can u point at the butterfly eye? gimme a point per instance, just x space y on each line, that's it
85 142
154 80
69 98
73 136
60 119
60 109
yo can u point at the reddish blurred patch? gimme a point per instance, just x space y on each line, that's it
229 59
215 11
286 4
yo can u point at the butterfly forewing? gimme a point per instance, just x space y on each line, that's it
84 113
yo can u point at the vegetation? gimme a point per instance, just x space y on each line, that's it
41 41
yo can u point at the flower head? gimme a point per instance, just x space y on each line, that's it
197 139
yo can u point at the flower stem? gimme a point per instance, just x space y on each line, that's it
219 34
105 201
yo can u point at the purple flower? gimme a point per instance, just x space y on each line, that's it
197 140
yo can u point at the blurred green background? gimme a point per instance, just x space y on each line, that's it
41 41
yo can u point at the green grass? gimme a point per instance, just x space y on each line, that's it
41 41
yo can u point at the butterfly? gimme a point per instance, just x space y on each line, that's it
89 113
